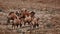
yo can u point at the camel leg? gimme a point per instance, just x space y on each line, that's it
8 21
24 23
20 25
29 23
34 26
37 25
13 26
17 25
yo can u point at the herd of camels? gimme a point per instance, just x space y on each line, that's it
24 16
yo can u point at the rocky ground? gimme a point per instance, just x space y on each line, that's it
47 10
49 23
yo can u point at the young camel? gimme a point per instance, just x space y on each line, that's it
28 20
35 22
16 22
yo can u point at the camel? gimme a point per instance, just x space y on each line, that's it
16 22
11 16
35 22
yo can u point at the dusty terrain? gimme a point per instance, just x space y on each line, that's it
37 4
47 10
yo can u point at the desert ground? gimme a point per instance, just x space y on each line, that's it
47 10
